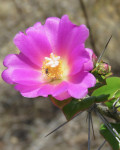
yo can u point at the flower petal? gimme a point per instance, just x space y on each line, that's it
60 88
51 28
18 61
88 66
63 96
6 76
26 76
80 83
15 62
58 91
34 44
45 90
77 58
31 94
84 78
77 91
27 88
70 36
53 89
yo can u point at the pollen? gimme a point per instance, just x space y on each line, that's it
52 68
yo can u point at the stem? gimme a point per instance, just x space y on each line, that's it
108 112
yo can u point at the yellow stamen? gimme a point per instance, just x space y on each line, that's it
52 68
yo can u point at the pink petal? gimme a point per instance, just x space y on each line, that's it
77 58
60 88
90 51
88 66
6 75
30 91
63 96
76 66
70 36
84 78
51 28
37 25
77 91
53 89
58 91
34 45
46 90
30 94
25 76
89 80
27 88
18 61
78 87
15 62
78 77
79 51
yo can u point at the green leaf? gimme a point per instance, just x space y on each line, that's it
75 106
109 137
112 88
101 98
110 103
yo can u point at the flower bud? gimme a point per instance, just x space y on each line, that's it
104 68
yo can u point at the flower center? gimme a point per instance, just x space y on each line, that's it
52 68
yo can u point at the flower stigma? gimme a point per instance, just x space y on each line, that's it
52 68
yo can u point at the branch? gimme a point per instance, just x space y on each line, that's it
108 112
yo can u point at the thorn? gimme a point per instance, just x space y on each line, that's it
114 105
104 49
102 145
62 125
114 130
108 125
87 118
57 128
90 110
89 121
92 127
116 101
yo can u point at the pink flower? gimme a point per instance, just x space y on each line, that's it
53 61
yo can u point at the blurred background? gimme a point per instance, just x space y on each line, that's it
24 122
